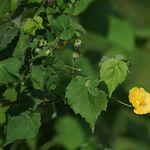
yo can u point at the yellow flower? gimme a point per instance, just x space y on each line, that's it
140 99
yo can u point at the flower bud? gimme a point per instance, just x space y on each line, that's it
77 42
76 55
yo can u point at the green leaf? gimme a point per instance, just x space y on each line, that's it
39 22
2 114
63 21
12 65
113 72
69 133
22 127
67 34
121 33
37 76
21 46
5 77
80 6
82 101
29 26
60 24
7 33
9 67
10 94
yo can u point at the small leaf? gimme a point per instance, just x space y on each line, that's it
9 67
69 133
10 94
39 22
5 77
113 72
88 105
22 127
29 26
61 24
12 65
67 34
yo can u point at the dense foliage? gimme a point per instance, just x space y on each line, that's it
54 76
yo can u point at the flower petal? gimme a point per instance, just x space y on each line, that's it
140 99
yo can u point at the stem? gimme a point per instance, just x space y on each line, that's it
125 104
72 68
